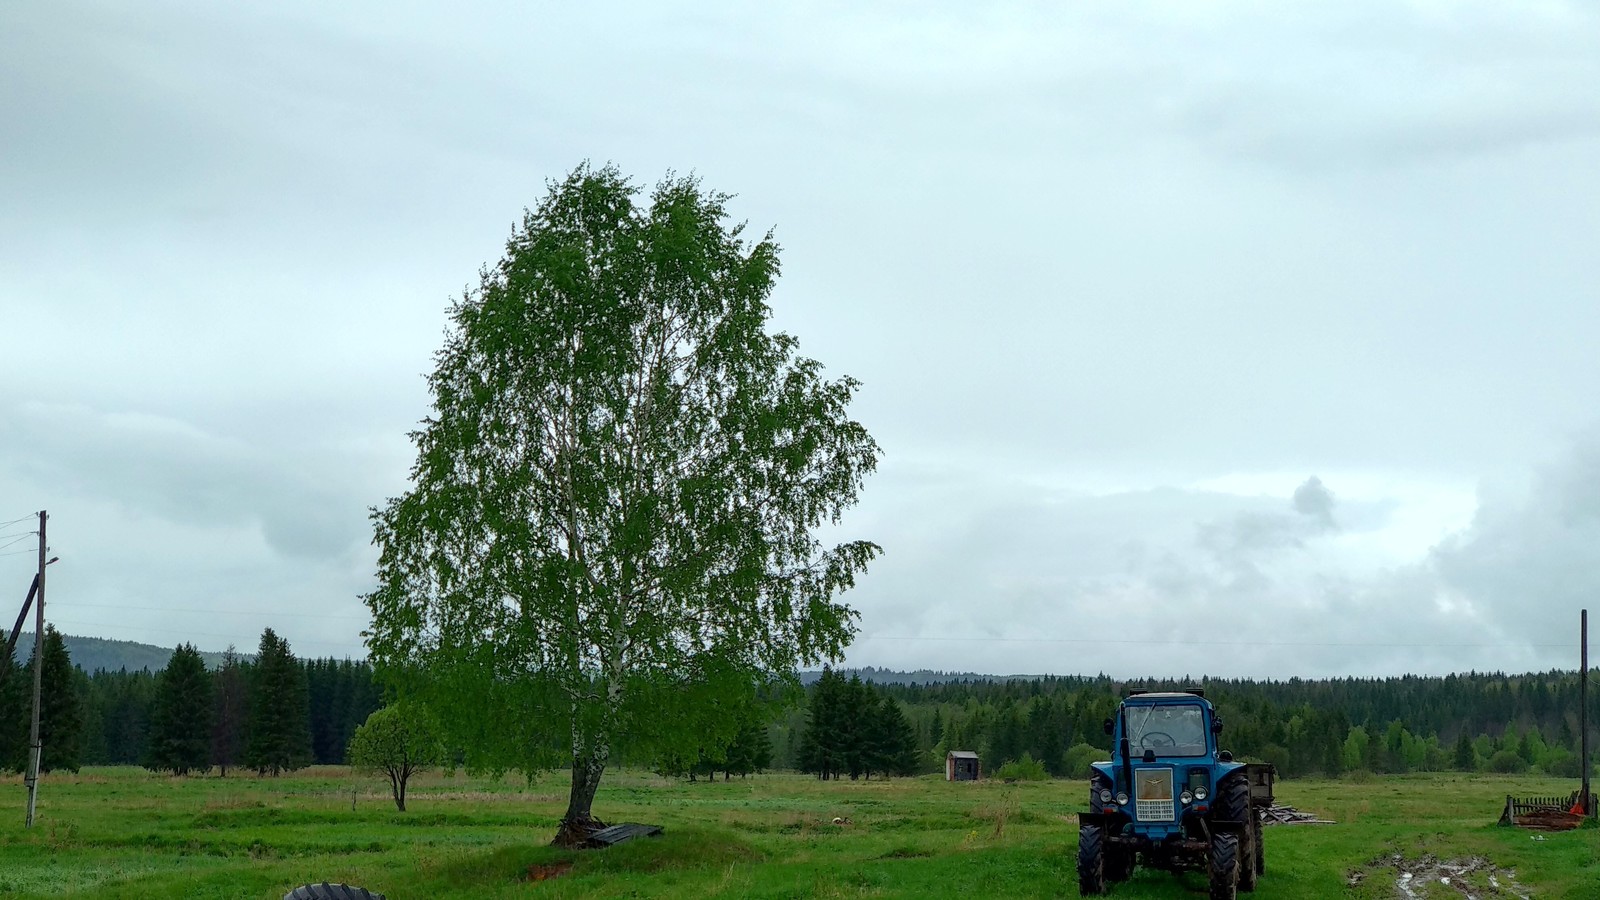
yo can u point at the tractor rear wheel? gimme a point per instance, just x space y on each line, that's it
1233 804
326 891
1091 861
1261 848
1224 866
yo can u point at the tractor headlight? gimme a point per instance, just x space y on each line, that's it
1105 795
1186 797
1122 798
1200 793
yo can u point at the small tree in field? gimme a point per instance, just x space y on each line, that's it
611 531
398 741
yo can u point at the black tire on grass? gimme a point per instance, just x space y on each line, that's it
326 891
1261 847
1224 866
1091 861
1233 804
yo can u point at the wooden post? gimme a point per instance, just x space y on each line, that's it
35 749
1583 703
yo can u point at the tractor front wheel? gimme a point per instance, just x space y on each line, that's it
1224 866
1091 861
1233 804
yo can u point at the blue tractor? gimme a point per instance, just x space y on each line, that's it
1172 799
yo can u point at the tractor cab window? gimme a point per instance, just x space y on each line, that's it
1176 730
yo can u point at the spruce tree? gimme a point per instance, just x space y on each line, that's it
280 716
60 713
1466 758
822 745
897 748
231 712
855 726
16 708
180 722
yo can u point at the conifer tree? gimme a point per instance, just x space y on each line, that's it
180 722
1466 759
232 712
822 747
60 714
280 717
897 747
16 707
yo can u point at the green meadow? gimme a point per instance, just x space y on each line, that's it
124 832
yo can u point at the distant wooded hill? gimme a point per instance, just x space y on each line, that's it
92 654
874 675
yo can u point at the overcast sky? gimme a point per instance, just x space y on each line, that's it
1242 339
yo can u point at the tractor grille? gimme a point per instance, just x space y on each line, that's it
1154 799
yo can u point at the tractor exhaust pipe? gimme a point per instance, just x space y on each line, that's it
1124 747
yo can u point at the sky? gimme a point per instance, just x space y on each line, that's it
1231 338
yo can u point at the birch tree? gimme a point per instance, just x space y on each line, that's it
612 531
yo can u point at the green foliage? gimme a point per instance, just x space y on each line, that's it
180 722
1465 758
1078 760
16 709
280 728
855 730
398 741
60 711
1507 762
1024 769
230 713
615 499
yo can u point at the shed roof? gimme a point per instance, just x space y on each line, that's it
962 754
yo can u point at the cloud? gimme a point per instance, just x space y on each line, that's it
1173 581
181 473
1528 560
1313 499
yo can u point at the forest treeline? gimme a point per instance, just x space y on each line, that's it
1472 721
267 711
270 711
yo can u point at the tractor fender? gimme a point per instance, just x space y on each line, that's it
1222 770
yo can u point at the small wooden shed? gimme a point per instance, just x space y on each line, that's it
962 765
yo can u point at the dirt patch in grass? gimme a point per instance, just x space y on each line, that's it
1473 877
547 871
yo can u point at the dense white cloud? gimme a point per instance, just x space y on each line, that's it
1118 280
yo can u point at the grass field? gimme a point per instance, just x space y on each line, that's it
127 833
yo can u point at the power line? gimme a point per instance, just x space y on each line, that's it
1187 640
185 632
19 539
19 519
237 612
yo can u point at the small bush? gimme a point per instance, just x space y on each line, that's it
1025 769
1507 762
1076 761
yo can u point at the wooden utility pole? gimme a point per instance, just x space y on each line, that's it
34 747
1583 705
